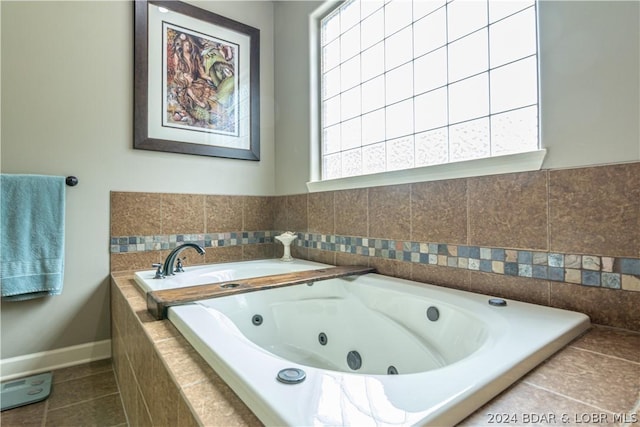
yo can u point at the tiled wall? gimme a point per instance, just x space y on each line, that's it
564 238
146 226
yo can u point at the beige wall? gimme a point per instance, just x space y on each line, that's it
292 100
589 84
67 92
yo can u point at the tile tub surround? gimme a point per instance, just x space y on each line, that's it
164 381
565 238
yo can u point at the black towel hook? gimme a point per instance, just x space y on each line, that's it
71 181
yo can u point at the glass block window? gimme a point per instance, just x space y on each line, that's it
415 83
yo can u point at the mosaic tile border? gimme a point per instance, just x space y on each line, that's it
127 244
587 270
581 269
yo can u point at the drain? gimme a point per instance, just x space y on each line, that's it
322 338
433 313
256 320
291 376
391 370
354 360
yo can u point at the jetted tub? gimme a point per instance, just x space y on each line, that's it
374 350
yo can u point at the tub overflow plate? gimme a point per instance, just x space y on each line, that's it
291 376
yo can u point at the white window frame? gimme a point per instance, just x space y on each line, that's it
510 163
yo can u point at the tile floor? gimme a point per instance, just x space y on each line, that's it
594 381
82 396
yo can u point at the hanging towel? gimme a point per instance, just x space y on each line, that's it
31 236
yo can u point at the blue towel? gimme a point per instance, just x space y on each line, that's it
31 236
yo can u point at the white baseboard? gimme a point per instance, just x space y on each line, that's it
35 363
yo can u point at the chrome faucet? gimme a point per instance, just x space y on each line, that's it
167 268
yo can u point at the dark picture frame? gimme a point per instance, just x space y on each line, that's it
196 82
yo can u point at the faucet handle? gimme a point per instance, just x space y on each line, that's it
159 273
179 266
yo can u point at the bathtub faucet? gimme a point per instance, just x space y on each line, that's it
167 269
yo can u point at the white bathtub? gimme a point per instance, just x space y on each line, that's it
447 368
213 273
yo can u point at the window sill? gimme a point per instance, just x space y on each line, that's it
520 162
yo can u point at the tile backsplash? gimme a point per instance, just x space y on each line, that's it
565 238
146 226
588 270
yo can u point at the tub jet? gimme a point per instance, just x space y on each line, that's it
256 320
322 338
354 360
433 313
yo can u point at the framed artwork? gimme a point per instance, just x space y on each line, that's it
196 82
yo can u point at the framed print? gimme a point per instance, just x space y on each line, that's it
196 82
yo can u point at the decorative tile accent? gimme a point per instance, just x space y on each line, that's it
628 266
611 280
208 240
590 278
585 270
630 283
572 275
572 261
591 262
556 260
